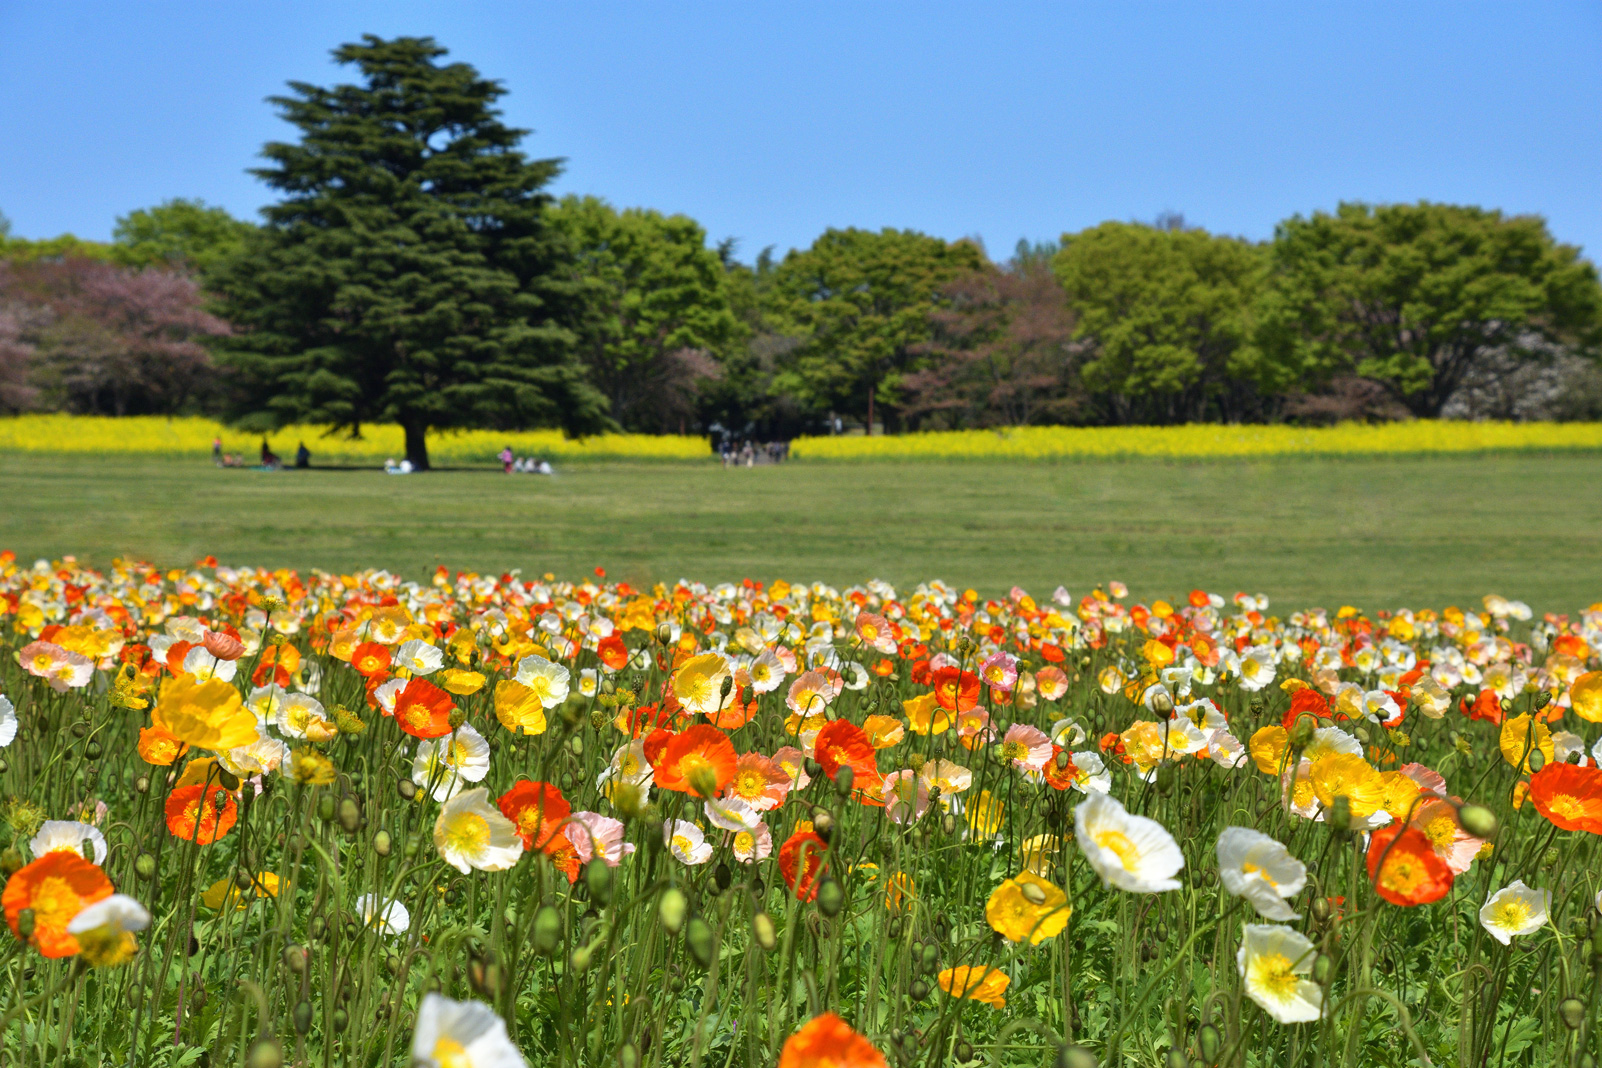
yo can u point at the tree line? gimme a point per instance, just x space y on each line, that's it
415 269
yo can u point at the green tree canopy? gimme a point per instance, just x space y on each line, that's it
1412 295
861 301
179 233
409 274
1167 311
656 318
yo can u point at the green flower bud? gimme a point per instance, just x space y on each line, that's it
25 924
350 815
831 896
1477 820
763 931
1209 1042
844 778
672 909
547 932
302 1017
1572 1012
1075 1057
265 1053
700 938
144 865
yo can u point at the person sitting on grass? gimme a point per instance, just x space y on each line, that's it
302 457
269 459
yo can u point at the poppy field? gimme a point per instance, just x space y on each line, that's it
270 817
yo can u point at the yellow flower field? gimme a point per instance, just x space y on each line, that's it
1198 441
192 435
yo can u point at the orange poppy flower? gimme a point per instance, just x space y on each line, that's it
842 744
1486 706
56 887
1305 701
803 884
735 713
975 982
829 1042
1413 873
157 747
700 760
175 656
1570 796
280 661
538 809
423 710
956 690
201 813
370 658
1059 778
613 653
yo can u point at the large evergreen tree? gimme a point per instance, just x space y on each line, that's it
409 274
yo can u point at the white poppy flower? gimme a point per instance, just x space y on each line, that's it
1258 868
1274 963
1130 852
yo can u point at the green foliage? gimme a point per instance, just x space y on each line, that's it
1411 295
61 247
179 233
861 303
656 314
1168 311
409 274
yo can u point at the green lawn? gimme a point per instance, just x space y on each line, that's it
1374 532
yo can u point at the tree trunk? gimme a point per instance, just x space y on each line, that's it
417 445
870 409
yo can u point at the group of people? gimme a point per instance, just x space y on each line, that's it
270 460
524 465
749 455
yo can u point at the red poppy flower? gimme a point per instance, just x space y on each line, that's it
278 661
538 809
613 653
1570 796
1413 873
802 844
920 672
1486 706
700 760
175 656
1059 778
200 813
423 710
370 658
829 1042
1306 701
955 690
56 887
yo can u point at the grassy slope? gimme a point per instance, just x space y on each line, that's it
1375 532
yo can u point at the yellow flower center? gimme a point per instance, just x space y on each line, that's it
1015 751
449 1053
744 844
1568 806
469 833
749 784
682 843
55 903
1272 976
1118 843
1249 867
1441 830
1510 914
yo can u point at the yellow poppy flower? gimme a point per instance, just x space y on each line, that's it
1027 906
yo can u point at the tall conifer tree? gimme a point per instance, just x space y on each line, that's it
409 274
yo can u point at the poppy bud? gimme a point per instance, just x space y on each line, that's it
303 1017
1323 967
144 865
25 923
382 844
1175 1058
1075 1057
1166 778
722 876
547 929
243 879
1209 1042
1572 1012
1161 932
628 1056
844 777
142 784
918 989
10 861
664 633
948 824
92 750
930 956
700 938
1361 734
598 877
813 768
831 897
295 958
704 781
350 815
1302 733
265 1053
672 909
1536 760
325 808
1162 703
1477 820
1340 813
80 729
407 789
341 1020
822 822
963 1051
762 930
580 960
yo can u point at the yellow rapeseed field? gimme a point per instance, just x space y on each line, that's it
1203 440
154 435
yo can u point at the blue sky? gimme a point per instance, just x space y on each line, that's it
770 121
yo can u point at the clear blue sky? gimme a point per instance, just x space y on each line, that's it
771 121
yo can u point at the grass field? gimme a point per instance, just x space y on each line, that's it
1374 532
